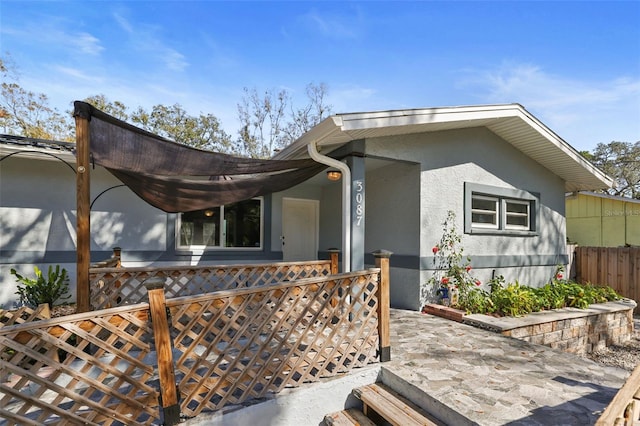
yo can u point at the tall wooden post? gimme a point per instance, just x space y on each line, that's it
83 226
382 262
166 373
334 254
117 254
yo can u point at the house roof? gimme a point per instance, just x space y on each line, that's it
31 147
607 196
511 122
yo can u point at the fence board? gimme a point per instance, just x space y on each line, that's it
618 267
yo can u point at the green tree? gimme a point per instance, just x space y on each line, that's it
116 108
173 122
621 161
269 122
26 113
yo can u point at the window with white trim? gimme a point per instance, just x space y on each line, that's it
491 209
484 212
237 225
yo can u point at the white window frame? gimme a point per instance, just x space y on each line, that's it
503 196
508 214
495 213
223 234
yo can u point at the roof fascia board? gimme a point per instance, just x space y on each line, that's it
565 147
378 119
608 197
35 152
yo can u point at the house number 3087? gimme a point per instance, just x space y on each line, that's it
359 198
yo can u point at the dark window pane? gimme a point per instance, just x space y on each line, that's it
242 224
483 204
200 228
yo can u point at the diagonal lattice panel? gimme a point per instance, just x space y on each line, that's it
241 344
112 287
90 368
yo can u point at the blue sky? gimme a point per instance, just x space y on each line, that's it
574 65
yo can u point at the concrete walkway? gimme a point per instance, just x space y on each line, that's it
467 376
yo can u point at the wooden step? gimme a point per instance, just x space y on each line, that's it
350 417
392 407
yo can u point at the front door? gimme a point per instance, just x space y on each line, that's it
299 229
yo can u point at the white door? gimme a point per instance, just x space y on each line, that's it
299 229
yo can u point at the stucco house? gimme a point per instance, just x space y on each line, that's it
499 169
602 220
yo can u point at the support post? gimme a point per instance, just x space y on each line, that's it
334 255
166 373
382 262
83 227
117 254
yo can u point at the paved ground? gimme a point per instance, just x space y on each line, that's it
465 375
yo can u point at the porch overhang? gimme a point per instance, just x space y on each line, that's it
511 122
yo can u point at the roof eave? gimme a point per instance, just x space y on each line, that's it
559 157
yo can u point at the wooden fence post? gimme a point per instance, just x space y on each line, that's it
83 195
334 253
160 326
382 262
117 254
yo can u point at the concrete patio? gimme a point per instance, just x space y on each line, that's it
461 374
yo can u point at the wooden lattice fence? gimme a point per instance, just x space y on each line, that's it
624 409
90 368
116 286
156 362
242 344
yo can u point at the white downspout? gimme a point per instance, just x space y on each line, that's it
346 200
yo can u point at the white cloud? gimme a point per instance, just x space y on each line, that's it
57 38
347 26
583 112
146 40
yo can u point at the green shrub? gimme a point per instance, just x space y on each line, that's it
514 299
41 289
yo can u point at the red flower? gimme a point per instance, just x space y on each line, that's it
445 280
435 249
478 283
468 268
559 276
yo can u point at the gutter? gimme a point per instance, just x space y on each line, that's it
346 200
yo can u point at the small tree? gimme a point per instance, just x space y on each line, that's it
49 289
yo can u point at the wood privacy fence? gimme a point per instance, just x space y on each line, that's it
158 361
618 267
116 286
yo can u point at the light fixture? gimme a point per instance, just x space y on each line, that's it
334 175
208 213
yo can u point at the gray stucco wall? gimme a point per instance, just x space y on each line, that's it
38 224
448 160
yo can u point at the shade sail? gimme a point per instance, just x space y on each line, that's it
178 178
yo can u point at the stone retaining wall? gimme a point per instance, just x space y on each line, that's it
577 331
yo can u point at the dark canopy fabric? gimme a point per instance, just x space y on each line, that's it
178 178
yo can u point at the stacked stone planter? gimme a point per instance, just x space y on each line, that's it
577 331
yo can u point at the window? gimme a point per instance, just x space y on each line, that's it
491 210
237 225
517 214
484 212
